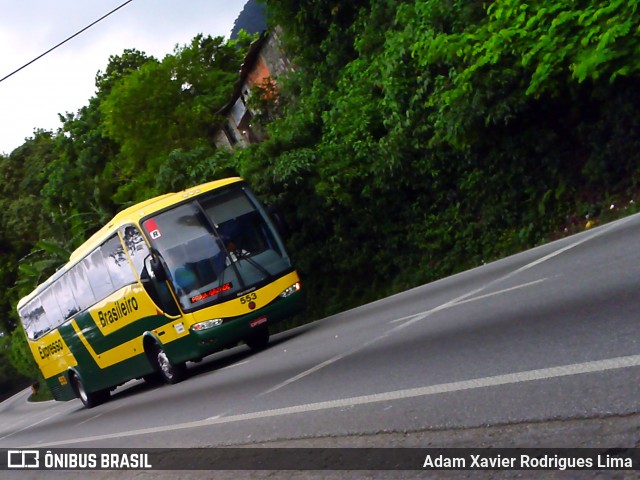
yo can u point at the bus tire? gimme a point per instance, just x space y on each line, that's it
89 399
169 372
258 340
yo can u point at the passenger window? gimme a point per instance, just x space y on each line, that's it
34 318
117 263
65 298
53 314
98 278
136 247
79 281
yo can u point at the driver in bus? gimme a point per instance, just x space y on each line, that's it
234 252
182 275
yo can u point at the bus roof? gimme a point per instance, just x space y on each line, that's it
129 215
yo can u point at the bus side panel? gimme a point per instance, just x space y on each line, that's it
103 364
109 338
60 387
54 357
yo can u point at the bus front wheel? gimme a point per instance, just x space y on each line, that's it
89 399
171 373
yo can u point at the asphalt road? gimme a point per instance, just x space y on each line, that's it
548 335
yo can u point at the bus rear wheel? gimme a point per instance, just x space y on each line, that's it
89 399
169 372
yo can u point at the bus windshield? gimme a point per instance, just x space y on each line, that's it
216 246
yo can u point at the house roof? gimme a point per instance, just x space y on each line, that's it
247 65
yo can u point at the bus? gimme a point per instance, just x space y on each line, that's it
167 281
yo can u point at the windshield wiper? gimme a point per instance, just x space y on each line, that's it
244 255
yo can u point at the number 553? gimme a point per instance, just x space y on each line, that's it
248 298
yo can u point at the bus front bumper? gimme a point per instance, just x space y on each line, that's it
199 344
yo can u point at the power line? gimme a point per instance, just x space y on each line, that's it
65 41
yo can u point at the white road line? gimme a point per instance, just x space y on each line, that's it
408 321
524 268
31 425
234 365
462 302
94 417
307 372
360 347
498 380
60 409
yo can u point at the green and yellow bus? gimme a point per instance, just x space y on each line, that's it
167 281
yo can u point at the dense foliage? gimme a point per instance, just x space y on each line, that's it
426 137
148 129
415 139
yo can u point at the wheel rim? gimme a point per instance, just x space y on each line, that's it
81 391
165 365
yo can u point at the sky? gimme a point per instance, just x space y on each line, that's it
64 80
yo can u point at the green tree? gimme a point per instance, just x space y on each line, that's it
119 67
80 176
165 106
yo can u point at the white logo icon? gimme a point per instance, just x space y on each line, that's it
23 459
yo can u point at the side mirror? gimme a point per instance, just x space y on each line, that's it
155 265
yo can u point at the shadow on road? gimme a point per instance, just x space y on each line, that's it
211 363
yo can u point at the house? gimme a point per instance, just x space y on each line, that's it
264 62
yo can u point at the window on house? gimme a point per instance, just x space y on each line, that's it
231 135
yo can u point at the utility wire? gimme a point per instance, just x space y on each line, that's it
65 41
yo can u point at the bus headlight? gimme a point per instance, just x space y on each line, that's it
292 289
198 327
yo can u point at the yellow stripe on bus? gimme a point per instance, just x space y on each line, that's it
115 355
242 304
122 308
167 334
52 354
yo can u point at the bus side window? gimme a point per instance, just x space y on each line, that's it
34 318
65 298
116 263
135 245
99 281
79 281
53 315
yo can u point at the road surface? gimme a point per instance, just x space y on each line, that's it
540 349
